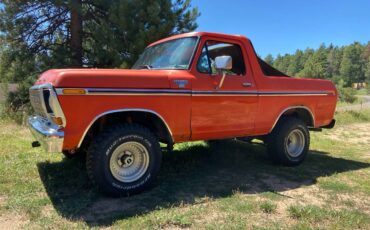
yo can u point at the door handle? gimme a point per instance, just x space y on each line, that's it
247 84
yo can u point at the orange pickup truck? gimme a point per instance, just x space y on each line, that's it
193 86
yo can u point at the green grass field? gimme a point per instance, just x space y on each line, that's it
358 101
225 185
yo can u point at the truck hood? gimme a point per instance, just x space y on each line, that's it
106 78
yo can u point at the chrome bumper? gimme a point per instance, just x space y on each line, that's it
46 133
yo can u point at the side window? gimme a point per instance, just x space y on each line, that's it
213 49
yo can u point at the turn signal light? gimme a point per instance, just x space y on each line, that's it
57 120
74 91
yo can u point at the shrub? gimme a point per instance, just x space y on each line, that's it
17 105
347 94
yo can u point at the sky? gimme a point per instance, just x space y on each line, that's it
282 26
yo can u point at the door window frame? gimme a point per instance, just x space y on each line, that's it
203 42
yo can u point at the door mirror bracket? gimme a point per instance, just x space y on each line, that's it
222 64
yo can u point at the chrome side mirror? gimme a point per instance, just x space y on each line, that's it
223 63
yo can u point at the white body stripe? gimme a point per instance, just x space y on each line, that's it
196 93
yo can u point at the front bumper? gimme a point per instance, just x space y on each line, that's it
46 133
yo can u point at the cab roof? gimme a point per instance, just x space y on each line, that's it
200 34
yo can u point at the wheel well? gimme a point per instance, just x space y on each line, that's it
302 113
150 120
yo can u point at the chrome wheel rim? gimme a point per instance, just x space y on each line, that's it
129 162
294 143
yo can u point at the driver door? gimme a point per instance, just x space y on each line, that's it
230 110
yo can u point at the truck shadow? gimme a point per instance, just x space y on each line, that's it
194 172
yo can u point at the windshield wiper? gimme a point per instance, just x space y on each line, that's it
145 67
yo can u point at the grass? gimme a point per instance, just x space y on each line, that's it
227 184
363 92
347 117
268 207
358 101
335 185
344 219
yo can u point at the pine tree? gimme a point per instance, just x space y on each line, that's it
367 71
132 25
367 63
307 53
295 64
269 59
316 65
334 60
352 66
43 34
343 65
282 62
93 32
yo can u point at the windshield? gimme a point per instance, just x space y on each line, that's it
174 54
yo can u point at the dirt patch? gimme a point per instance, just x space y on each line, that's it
360 201
315 196
366 155
210 217
357 134
306 195
278 184
2 200
292 193
47 210
12 221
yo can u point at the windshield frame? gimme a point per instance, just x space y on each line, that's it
190 60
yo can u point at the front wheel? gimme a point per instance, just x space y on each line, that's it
124 160
289 142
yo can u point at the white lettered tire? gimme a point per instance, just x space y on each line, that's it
124 160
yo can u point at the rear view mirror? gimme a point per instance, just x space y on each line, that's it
224 63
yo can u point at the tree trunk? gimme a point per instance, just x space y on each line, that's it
76 33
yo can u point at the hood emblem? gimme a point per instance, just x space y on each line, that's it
181 83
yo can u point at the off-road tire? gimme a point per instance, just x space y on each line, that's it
103 146
278 139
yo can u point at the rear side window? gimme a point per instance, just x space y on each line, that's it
213 49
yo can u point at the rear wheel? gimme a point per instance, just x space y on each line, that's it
289 142
124 160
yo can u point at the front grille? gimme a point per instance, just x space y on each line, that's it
45 103
37 101
46 94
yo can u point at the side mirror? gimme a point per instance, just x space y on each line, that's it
223 62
